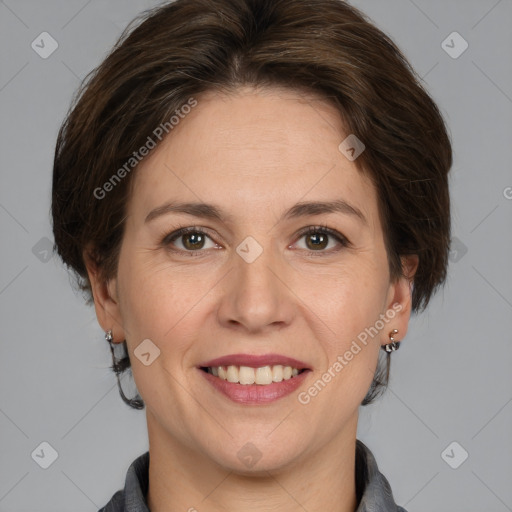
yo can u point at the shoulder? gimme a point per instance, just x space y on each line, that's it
133 497
373 489
116 503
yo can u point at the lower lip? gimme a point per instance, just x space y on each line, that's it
250 394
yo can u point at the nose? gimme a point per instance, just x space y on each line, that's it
256 296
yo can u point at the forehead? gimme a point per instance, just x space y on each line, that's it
251 149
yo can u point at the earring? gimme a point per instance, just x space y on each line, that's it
394 345
116 366
119 366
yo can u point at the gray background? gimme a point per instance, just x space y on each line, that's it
451 380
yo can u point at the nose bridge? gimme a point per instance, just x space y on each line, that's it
256 296
255 267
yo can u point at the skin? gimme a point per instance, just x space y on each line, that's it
254 153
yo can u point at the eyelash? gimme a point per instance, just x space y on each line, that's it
311 230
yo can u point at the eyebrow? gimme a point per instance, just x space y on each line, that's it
302 209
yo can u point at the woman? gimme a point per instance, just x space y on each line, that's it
254 195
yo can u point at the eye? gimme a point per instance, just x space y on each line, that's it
192 239
318 238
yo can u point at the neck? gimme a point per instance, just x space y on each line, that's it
182 479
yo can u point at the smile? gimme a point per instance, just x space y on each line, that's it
254 394
245 375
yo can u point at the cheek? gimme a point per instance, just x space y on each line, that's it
160 301
348 297
349 303
351 351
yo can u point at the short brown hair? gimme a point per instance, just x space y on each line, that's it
179 50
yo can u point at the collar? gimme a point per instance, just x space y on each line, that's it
372 488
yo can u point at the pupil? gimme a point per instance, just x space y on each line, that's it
196 237
316 237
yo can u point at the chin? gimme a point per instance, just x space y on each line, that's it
257 458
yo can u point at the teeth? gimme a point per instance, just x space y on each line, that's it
246 375
232 374
263 375
277 373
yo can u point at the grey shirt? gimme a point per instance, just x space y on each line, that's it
372 488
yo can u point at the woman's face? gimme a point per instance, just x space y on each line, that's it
253 284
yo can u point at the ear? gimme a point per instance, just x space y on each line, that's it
399 299
106 301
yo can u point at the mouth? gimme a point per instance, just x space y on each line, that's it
246 375
263 390
254 379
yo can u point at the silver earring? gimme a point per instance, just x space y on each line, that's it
119 366
394 345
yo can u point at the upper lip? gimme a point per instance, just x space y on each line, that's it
255 361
